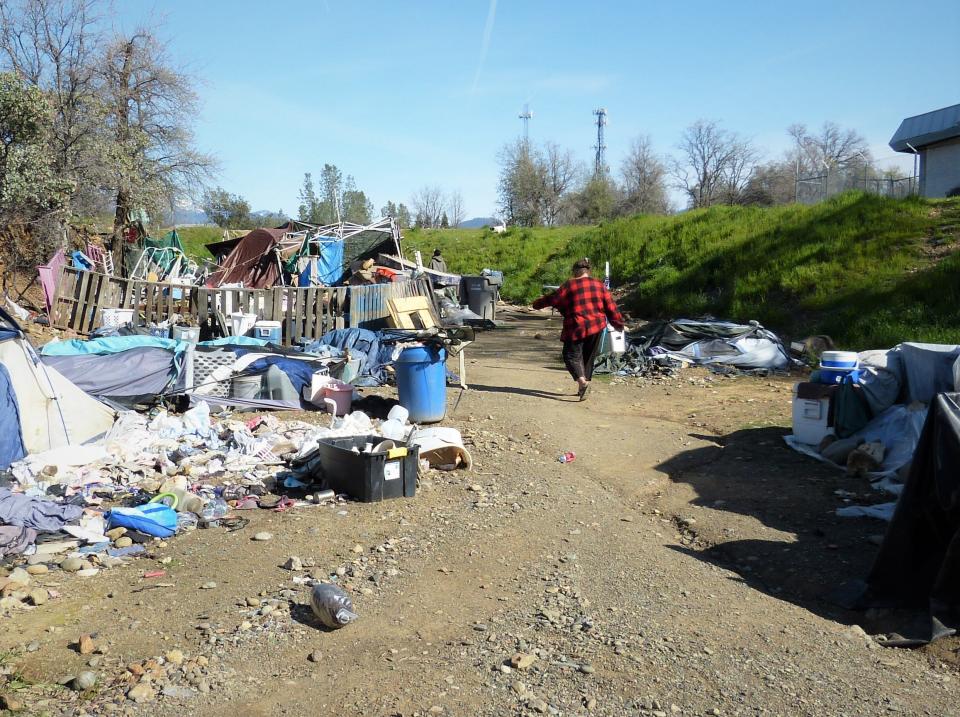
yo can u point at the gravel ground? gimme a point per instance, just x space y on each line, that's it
677 567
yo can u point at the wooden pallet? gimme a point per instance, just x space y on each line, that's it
305 313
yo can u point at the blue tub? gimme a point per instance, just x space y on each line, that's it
422 383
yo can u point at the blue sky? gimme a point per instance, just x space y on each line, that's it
403 94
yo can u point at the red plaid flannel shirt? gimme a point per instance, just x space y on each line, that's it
586 305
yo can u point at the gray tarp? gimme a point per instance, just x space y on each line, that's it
135 372
930 369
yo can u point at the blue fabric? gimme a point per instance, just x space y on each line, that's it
330 263
110 345
306 276
362 344
11 437
299 372
154 519
81 261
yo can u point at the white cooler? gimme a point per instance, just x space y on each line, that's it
810 417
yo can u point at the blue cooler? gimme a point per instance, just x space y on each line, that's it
271 331
838 366
422 383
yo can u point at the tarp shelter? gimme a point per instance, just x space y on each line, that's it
253 261
39 408
917 571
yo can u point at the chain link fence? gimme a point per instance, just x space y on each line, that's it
816 188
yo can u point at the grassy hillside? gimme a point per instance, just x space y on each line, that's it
868 271
196 238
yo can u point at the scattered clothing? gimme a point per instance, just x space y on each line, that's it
15 539
44 516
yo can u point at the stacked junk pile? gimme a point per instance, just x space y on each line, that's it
661 349
893 416
133 436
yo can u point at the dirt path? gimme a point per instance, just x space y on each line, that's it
678 566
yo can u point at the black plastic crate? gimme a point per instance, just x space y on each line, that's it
368 477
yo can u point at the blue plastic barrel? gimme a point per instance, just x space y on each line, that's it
422 383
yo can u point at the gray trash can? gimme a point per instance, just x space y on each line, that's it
480 293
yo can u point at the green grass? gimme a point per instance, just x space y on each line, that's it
870 272
196 238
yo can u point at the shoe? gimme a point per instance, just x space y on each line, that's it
584 390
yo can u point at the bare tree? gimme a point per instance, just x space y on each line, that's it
713 163
644 180
560 172
455 209
522 186
149 107
831 147
55 45
428 206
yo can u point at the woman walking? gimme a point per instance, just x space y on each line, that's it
587 307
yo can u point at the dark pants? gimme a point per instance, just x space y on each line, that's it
578 356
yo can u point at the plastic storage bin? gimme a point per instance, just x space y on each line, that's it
810 418
115 318
269 330
368 477
190 334
422 383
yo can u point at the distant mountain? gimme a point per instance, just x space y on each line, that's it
478 222
185 215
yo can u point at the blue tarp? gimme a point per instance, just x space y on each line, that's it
11 437
330 263
362 344
110 345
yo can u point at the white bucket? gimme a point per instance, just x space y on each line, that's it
618 340
115 318
241 324
245 386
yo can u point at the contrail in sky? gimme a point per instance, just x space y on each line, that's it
485 44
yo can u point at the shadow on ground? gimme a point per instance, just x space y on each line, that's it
532 392
753 473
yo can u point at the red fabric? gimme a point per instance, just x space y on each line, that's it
586 305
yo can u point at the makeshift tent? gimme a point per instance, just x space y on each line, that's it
917 571
300 253
39 408
252 263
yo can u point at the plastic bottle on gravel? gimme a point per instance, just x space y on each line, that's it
567 457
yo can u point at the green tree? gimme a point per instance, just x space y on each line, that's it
30 189
355 206
444 221
596 202
309 210
229 211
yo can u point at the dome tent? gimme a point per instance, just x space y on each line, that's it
39 408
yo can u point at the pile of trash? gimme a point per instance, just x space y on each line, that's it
663 348
85 508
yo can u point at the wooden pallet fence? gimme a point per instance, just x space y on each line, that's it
304 313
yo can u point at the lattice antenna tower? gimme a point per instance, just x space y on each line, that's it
600 147
526 116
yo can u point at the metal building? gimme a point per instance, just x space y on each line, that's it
934 139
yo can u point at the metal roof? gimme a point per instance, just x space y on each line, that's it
927 128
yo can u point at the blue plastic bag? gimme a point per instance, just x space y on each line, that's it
154 519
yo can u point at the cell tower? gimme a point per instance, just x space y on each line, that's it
600 147
526 116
